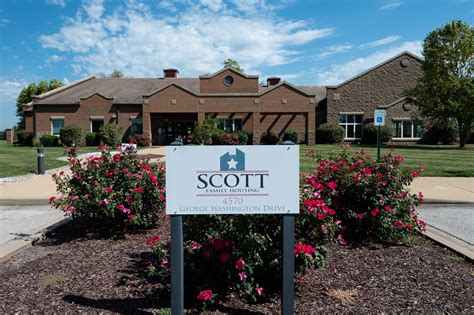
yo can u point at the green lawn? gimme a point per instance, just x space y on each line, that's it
18 160
445 161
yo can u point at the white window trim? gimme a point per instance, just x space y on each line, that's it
233 122
95 118
401 130
352 124
51 123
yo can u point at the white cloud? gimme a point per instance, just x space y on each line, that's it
338 73
333 50
9 91
381 42
139 43
55 58
214 5
4 22
390 5
61 3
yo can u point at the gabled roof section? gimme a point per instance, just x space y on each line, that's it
62 88
394 102
377 66
99 94
287 84
167 86
247 76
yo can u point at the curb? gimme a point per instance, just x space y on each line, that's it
24 202
448 202
463 248
13 247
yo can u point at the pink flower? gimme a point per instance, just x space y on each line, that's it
239 264
375 212
242 276
104 202
154 179
195 246
422 198
153 239
205 295
123 209
324 229
125 170
367 171
342 240
224 257
108 189
218 244
309 153
360 215
164 262
259 291
398 224
207 254
421 169
332 186
388 208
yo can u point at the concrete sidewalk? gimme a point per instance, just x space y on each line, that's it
445 189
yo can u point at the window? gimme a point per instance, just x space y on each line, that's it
56 125
228 80
96 123
136 126
352 124
230 125
407 129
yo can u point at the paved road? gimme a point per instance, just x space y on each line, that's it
21 222
457 220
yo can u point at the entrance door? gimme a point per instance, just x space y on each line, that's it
178 130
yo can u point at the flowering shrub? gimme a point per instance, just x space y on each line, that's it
119 189
229 139
140 139
368 197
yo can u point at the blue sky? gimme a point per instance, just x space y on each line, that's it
310 42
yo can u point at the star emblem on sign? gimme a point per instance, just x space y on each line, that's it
232 164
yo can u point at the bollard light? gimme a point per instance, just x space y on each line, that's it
41 166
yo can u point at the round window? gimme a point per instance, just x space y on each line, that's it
228 80
405 62
407 106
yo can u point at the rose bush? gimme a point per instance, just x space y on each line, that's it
368 197
119 189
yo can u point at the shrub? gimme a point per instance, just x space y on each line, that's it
270 138
368 196
111 134
25 137
329 133
216 136
3 135
71 135
369 134
229 139
140 140
243 137
291 135
92 139
119 190
49 140
206 131
443 131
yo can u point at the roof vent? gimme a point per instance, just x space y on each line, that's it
273 81
170 73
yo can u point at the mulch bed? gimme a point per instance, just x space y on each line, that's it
77 270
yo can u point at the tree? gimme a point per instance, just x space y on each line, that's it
446 89
26 96
231 63
114 74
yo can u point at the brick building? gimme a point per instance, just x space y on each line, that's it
164 108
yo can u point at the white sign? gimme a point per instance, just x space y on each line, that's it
232 179
379 117
128 147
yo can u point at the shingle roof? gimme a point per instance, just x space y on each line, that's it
318 91
122 90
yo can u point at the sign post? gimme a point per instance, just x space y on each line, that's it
379 120
205 180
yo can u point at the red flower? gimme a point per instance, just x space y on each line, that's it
138 189
422 198
360 215
332 186
320 216
375 212
309 153
259 291
51 199
108 189
153 239
387 208
415 174
408 225
205 295
398 224
303 249
239 264
224 257
131 216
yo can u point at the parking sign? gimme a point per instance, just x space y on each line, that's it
379 117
